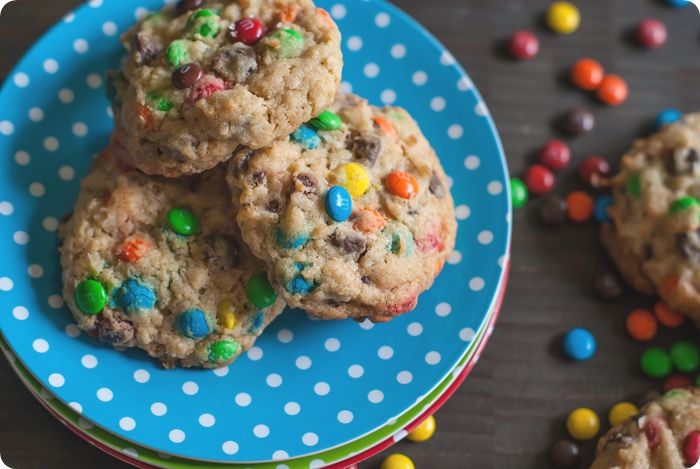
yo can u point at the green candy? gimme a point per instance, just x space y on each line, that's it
327 120
90 296
202 13
518 192
291 42
204 22
159 102
685 356
683 203
656 363
182 221
259 291
222 350
634 186
177 53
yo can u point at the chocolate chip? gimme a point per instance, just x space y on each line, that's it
435 186
689 245
564 454
352 244
66 218
367 149
146 48
684 161
309 182
114 327
221 251
186 76
274 205
578 121
184 6
241 157
648 252
259 177
608 285
621 438
235 63
553 210
366 280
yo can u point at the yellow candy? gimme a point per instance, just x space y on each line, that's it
424 431
621 412
356 179
563 17
397 461
227 315
583 424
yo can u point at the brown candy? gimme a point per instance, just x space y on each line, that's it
553 210
564 454
186 76
578 122
184 6
608 285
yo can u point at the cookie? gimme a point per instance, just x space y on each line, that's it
202 77
654 237
665 434
351 213
158 264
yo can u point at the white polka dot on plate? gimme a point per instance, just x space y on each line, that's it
485 237
388 96
476 284
464 84
420 78
472 162
446 58
398 51
37 189
433 358
443 309
79 129
414 329
346 86
229 447
76 406
466 334
89 361
303 362
285 336
85 424
109 28
338 11
21 79
69 17
40 346
261 431
278 456
190 388
51 144
95 3
292 408
385 352
20 313
243 399
176 435
221 371
404 377
356 371
6 283
50 66
480 109
438 104
255 353
22 158
80 46
322 388
273 380
127 424
93 80
66 173
56 380
55 301
6 208
455 257
20 237
36 114
317 464
66 96
131 452
375 396
6 127
494 187
366 324
462 212
72 330
382 20
207 420
140 13
354 43
332 344
310 439
141 376
105 394
49 223
455 131
371 70
159 409
345 416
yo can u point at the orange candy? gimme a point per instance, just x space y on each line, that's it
587 74
288 14
367 220
146 115
667 316
580 206
402 184
613 90
386 126
642 325
133 249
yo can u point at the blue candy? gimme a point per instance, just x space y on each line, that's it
293 242
668 116
579 344
307 137
601 208
257 323
338 203
193 324
299 286
133 297
678 3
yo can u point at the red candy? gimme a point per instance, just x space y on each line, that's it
651 33
401 308
691 448
539 179
587 74
593 169
676 382
430 243
613 90
555 154
248 31
205 88
523 45
651 430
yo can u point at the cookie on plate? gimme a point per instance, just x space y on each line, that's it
157 263
202 77
654 236
665 434
351 213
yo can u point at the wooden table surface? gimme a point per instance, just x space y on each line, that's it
514 404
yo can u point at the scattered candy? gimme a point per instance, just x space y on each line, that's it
226 314
667 116
193 323
222 350
402 184
601 209
651 33
424 431
397 461
187 76
338 203
133 249
593 170
564 454
641 325
691 448
307 137
299 286
553 210
289 42
608 285
583 424
523 45
327 120
259 291
177 54
291 241
667 316
247 30
90 296
183 222
685 356
518 192
678 3
656 363
579 344
621 412
587 74
683 203
580 206
134 296
613 90
555 154
578 122
539 179
563 17
368 220
676 382
356 179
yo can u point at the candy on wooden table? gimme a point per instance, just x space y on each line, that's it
621 412
580 206
667 116
564 454
651 33
608 285
583 424
523 45
424 431
667 316
641 325
676 382
656 363
579 344
578 121
554 154
613 90
678 3
563 17
685 356
602 203
587 74
553 210
593 170
539 179
397 461
518 192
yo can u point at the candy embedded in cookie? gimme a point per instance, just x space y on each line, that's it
157 264
351 214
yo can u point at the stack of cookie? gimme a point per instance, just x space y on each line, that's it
239 179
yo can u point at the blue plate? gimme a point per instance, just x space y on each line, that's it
307 386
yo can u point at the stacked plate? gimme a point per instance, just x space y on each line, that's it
310 393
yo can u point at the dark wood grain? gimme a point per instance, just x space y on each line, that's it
514 404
